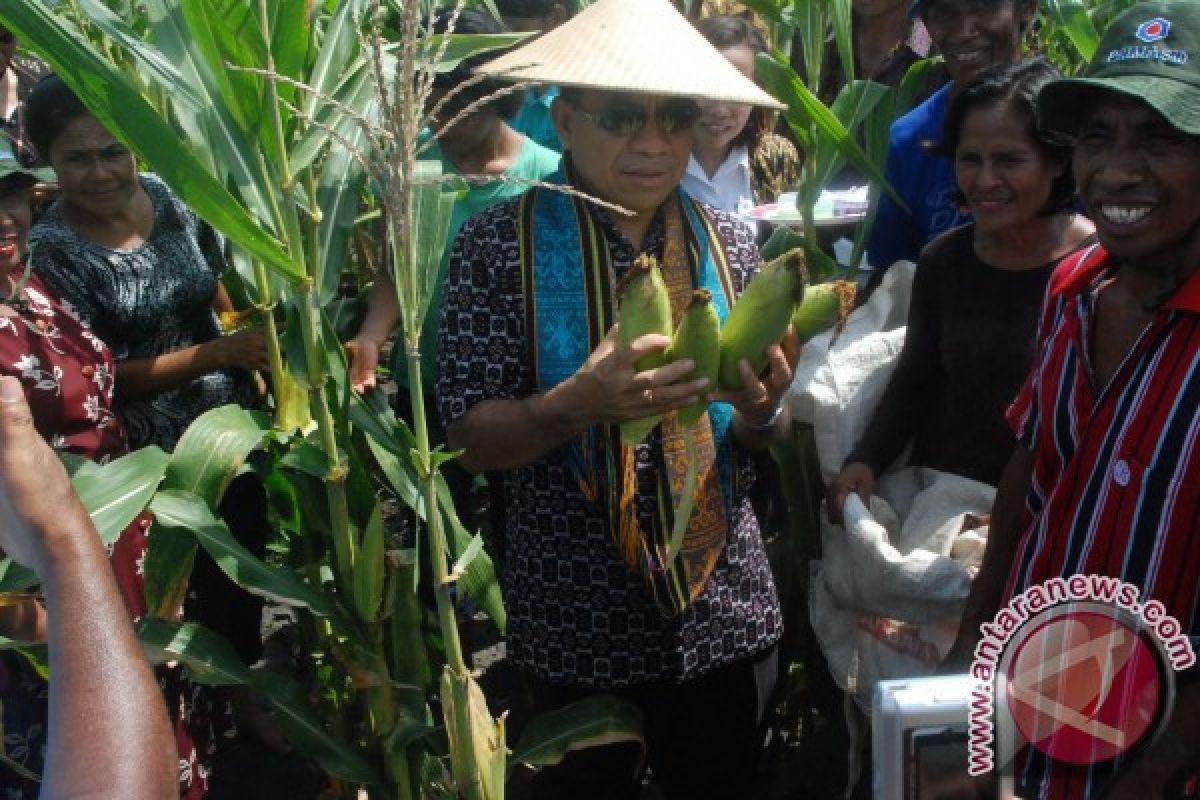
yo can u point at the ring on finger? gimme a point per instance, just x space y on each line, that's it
648 395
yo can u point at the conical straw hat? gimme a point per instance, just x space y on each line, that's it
642 46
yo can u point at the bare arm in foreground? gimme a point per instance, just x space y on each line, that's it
109 735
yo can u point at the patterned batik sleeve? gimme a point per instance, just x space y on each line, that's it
481 347
740 248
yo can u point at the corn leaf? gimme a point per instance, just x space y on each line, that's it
115 493
841 22
213 449
152 63
805 111
116 103
369 569
307 731
586 723
184 511
212 660
209 657
461 46
1073 18
390 442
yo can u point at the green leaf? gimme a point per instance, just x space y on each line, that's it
369 569
782 239
153 64
461 46
118 105
115 493
586 723
212 660
1072 16
468 554
188 512
390 443
213 449
841 21
209 657
170 554
306 731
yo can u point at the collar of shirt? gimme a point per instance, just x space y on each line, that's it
1185 298
728 189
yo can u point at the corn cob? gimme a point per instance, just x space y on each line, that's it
761 316
643 307
698 337
824 305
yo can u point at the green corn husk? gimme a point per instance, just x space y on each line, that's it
698 337
761 316
644 306
825 305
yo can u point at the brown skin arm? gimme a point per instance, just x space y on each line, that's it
1003 536
108 730
1150 774
383 314
146 377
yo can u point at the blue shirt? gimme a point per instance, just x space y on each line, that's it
924 182
534 118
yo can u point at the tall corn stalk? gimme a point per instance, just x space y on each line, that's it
268 117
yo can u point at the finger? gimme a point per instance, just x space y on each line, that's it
647 345
673 397
790 344
779 378
666 375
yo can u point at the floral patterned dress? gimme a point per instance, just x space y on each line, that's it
68 377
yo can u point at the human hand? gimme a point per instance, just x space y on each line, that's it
364 360
36 496
855 477
609 389
246 349
759 398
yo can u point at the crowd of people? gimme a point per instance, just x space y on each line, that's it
1051 350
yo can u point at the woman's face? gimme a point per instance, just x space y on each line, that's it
15 218
97 174
720 123
1005 177
975 34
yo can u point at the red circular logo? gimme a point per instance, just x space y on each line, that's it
1084 686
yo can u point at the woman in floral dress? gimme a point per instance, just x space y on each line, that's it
68 374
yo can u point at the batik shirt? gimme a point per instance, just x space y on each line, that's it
67 373
1116 477
144 302
577 614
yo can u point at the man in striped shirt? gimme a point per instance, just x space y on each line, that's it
1105 478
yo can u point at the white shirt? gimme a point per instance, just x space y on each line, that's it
729 187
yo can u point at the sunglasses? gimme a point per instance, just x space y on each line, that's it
621 119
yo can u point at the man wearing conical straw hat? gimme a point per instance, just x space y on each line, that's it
533 382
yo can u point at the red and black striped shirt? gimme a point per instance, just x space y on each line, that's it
1116 478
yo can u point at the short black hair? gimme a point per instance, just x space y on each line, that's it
533 8
471 20
1016 87
50 107
726 31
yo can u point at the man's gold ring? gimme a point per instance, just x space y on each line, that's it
648 395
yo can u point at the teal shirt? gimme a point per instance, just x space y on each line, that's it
534 162
534 118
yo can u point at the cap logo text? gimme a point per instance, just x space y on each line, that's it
1142 53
